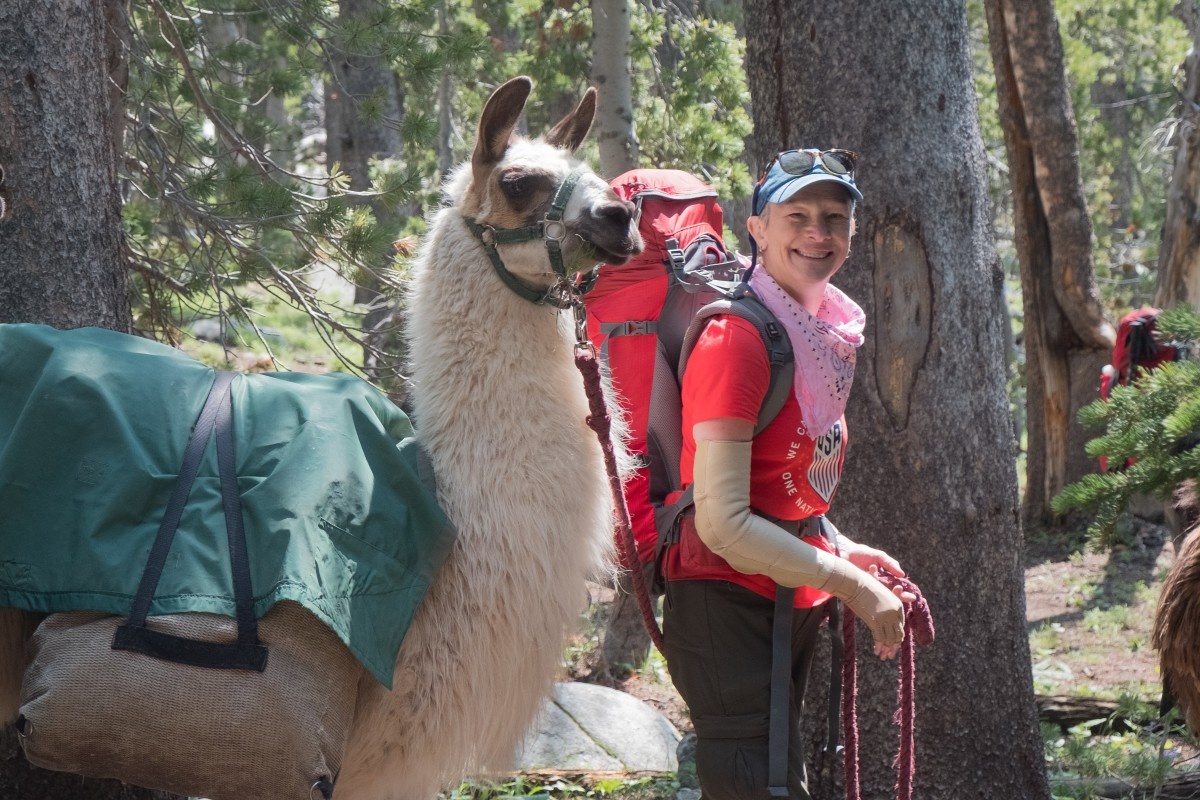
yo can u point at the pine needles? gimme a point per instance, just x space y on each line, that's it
1150 427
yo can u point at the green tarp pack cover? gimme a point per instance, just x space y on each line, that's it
340 512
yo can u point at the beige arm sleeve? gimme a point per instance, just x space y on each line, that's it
751 544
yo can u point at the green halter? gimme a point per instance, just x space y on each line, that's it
551 228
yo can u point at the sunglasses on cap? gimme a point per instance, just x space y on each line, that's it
802 162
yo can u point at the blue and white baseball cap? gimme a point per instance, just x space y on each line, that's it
793 170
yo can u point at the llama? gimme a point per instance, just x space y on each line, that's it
500 407
1177 616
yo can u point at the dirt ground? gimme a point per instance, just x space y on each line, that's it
1089 617
1090 614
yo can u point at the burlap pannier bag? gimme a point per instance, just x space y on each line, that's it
196 731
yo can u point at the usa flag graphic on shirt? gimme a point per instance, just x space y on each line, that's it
823 472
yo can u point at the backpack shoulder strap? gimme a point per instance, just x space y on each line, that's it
744 304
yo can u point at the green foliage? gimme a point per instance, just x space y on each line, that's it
1122 56
226 188
1137 752
1151 423
691 112
689 87
1122 59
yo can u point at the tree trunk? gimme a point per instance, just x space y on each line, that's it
1067 339
625 643
61 261
1179 257
1110 96
354 140
613 128
930 475
445 105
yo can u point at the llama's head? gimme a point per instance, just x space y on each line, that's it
521 189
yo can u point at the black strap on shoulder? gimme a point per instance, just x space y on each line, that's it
247 652
743 303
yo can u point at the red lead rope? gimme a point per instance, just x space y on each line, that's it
918 629
600 422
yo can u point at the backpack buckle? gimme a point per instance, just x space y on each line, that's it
675 253
639 327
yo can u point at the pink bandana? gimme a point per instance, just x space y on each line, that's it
824 348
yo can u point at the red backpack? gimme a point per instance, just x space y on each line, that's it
1137 349
645 315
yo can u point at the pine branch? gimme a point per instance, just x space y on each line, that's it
1150 427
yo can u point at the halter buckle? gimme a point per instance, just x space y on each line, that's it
554 230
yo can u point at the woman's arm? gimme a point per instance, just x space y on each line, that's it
752 544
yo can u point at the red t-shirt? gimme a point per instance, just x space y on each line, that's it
792 475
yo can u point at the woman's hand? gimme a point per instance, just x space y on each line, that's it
875 558
864 557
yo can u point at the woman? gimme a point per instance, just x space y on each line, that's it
759 546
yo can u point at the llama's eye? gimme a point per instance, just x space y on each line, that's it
514 184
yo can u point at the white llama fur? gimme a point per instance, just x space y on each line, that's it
500 406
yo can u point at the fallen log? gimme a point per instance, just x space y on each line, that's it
1183 786
1067 711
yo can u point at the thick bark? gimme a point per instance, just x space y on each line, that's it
625 641
1179 256
1067 339
613 128
61 260
930 475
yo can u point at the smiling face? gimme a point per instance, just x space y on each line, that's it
805 240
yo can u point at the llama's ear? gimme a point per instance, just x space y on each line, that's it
499 117
572 129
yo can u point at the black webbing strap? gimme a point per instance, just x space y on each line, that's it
781 692
778 724
833 741
246 652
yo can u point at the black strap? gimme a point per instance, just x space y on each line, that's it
781 692
743 303
833 741
778 725
246 652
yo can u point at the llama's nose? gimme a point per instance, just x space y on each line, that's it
617 212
